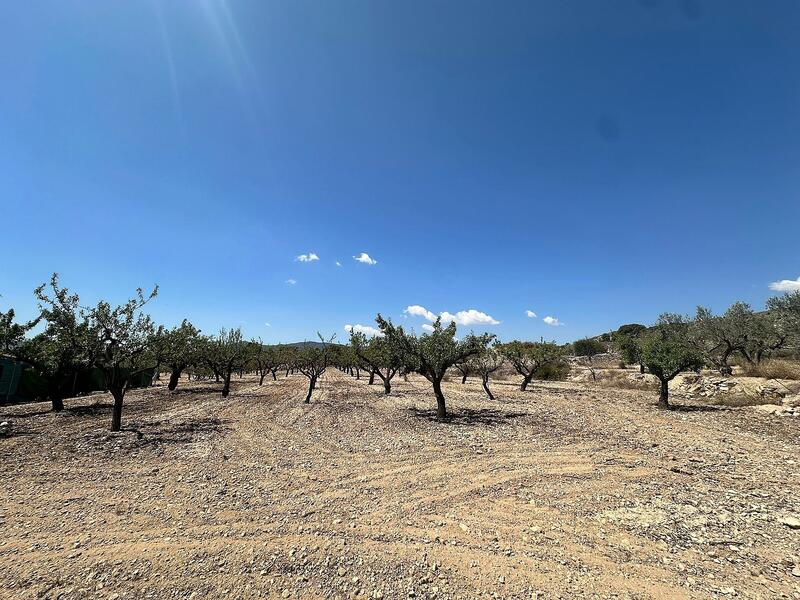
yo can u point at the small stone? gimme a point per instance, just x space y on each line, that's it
790 522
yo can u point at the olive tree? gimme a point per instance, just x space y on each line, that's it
667 350
786 316
382 357
433 353
528 357
720 337
764 336
625 340
484 364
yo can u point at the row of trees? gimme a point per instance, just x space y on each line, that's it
122 343
677 344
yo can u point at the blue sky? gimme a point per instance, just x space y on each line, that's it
595 162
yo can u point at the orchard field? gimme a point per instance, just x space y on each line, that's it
565 490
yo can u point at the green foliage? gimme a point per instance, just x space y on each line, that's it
588 347
12 334
379 354
555 370
528 358
629 348
433 353
667 350
632 330
786 316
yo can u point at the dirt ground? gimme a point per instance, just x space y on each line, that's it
563 491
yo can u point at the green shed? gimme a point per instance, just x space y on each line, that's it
10 375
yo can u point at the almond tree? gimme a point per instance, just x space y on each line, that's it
313 359
382 357
118 344
62 350
180 347
267 359
432 354
486 363
667 350
228 353
528 357
465 368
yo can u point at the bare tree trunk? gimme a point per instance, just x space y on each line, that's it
441 408
58 403
274 377
486 387
261 377
226 386
116 413
173 379
387 386
663 396
312 383
463 378
371 378
641 368
526 379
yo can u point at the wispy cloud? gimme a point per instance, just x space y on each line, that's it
268 324
366 259
553 321
291 281
530 314
785 285
427 327
365 329
338 264
462 317
310 257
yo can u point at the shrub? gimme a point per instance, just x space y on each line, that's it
552 371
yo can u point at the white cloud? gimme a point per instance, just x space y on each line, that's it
310 257
462 317
552 321
427 327
365 329
366 259
420 311
530 314
338 264
785 285
291 281
268 324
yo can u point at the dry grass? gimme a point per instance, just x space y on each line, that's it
776 368
621 381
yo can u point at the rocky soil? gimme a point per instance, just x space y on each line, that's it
563 491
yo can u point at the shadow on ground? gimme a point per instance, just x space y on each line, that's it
486 416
